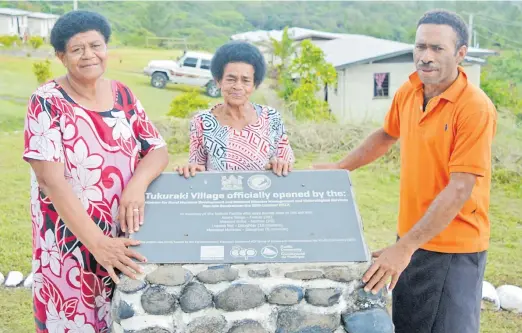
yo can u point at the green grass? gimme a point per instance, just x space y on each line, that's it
376 189
12 115
18 81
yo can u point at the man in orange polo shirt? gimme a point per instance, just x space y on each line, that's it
446 127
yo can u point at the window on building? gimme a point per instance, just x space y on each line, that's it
381 84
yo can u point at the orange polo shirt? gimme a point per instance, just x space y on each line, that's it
453 134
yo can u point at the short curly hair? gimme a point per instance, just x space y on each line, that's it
445 17
238 51
76 22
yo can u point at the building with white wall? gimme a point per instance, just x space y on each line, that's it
369 69
16 22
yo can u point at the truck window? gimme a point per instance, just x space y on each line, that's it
205 64
190 62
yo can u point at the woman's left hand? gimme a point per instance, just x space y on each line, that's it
279 166
132 205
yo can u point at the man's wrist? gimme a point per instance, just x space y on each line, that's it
408 245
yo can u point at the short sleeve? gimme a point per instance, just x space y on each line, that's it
42 133
473 141
146 133
197 152
392 124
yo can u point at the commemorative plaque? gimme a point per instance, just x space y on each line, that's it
252 217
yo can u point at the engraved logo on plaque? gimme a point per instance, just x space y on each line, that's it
269 252
259 182
239 252
232 183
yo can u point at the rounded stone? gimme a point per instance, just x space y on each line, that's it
366 300
305 275
216 274
259 273
153 330
286 295
239 297
369 321
510 298
207 324
247 326
14 279
28 282
130 286
157 301
124 311
490 299
323 296
343 274
291 320
169 275
195 297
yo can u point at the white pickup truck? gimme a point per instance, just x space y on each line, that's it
192 68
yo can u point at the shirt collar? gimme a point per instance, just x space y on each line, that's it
452 93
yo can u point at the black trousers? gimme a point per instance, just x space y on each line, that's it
439 293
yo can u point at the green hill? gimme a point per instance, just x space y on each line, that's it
208 24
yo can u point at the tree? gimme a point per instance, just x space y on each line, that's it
283 50
308 74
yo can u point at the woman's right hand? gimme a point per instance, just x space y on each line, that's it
190 170
113 253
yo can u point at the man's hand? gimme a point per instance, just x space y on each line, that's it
390 262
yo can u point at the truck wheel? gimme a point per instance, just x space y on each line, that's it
213 90
159 80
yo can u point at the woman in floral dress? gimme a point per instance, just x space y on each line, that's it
93 153
238 134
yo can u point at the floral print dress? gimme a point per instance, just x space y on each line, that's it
99 151
223 148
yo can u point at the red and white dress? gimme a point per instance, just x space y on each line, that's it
223 148
100 151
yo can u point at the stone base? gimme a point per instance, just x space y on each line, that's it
252 298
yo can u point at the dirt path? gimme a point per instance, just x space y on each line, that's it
13 99
43 54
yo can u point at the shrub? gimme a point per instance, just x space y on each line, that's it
36 42
42 71
176 133
184 105
9 41
501 80
306 105
286 87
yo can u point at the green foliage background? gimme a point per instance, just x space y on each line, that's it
206 25
209 24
